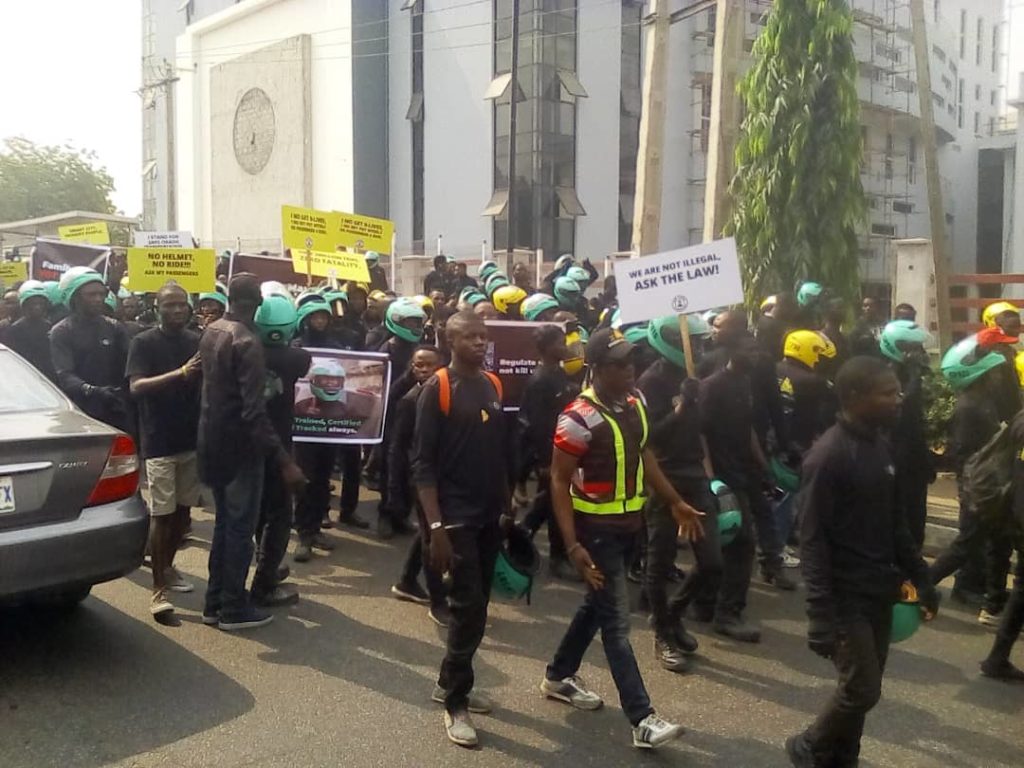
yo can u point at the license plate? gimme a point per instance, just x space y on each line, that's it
6 494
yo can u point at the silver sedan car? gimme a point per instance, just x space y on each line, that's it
70 511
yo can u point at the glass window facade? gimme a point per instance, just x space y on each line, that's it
546 93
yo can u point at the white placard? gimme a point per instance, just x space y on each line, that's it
685 281
163 240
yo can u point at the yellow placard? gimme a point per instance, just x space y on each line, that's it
12 272
94 233
343 266
308 228
364 233
150 269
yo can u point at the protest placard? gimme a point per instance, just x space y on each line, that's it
95 233
194 269
12 272
52 258
343 398
364 233
512 355
341 265
308 228
685 281
163 240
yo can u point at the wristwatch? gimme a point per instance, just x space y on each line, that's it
435 526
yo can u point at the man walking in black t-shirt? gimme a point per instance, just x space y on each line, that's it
163 371
461 472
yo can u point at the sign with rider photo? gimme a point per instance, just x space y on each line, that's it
512 355
681 282
343 398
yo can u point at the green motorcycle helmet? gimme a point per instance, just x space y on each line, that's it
486 269
636 334
401 310
517 564
335 298
314 303
808 293
274 288
906 620
730 519
579 274
664 337
372 258
536 304
76 277
898 333
786 478
275 320
327 381
308 296
568 292
217 296
471 297
966 362
494 281
30 289
53 292
111 301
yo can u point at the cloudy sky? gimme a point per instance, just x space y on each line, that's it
91 103
70 70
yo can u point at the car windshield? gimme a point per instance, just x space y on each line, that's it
23 388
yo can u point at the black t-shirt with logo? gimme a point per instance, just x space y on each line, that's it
169 417
464 454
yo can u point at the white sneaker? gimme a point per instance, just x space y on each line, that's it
459 728
987 619
790 560
175 581
652 732
159 604
572 691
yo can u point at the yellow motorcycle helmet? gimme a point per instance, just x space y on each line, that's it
992 311
507 298
808 347
1018 363
573 362
425 302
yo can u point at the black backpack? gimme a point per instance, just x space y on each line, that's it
988 478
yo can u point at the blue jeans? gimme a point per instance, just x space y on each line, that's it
238 509
606 609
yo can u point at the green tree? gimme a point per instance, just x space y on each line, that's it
38 180
797 197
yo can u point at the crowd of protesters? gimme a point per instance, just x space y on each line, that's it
794 438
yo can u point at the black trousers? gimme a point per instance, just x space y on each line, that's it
317 462
542 511
737 566
702 583
979 557
1012 622
863 630
416 560
475 552
272 529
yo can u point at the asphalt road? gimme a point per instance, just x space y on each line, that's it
344 678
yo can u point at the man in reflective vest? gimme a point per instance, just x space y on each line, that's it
599 470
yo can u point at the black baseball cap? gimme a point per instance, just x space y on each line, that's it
608 346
